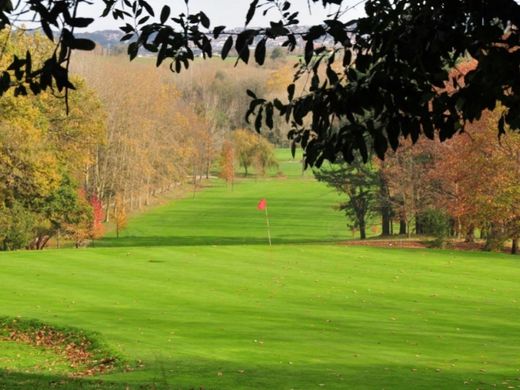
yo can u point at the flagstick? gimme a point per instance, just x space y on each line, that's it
268 226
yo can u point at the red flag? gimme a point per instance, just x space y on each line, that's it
262 205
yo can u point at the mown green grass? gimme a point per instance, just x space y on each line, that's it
193 297
28 359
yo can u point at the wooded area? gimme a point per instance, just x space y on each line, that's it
64 175
117 151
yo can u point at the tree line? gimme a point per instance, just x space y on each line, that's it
465 185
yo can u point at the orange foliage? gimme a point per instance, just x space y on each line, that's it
227 162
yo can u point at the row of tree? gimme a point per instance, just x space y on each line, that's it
467 184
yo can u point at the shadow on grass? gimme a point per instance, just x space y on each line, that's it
152 241
213 374
25 381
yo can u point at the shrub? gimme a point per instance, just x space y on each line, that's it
16 227
436 223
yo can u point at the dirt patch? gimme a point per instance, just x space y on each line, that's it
418 243
394 243
85 354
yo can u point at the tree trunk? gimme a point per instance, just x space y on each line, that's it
470 235
386 208
514 247
107 212
418 225
43 242
451 229
194 184
362 230
386 222
402 226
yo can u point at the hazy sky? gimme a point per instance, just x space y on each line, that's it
230 13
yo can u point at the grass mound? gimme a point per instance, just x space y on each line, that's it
77 352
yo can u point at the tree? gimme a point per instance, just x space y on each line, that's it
16 226
264 157
43 155
61 211
480 181
278 54
393 64
252 149
120 218
408 185
435 222
227 163
245 143
153 141
360 183
385 202
98 216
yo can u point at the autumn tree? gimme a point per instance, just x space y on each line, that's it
264 157
227 163
252 149
480 181
154 141
120 217
409 190
43 155
245 143
98 216
215 91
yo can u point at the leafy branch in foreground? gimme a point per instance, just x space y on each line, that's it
392 66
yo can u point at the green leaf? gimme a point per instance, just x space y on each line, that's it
82 44
251 11
80 22
227 47
217 31
260 52
165 14
204 20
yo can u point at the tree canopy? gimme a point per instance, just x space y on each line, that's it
387 75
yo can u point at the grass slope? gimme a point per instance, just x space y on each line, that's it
193 293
